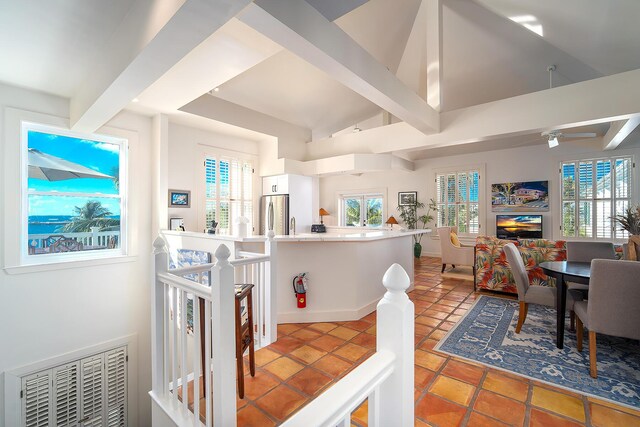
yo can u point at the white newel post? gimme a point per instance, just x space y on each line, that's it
161 265
271 288
94 236
224 350
395 333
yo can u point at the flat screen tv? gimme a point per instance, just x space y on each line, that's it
519 226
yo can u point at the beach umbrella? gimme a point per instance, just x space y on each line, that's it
51 168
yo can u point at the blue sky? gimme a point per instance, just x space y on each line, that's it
99 156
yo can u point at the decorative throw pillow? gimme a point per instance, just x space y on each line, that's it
454 239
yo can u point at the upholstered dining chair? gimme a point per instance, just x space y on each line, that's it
585 252
452 254
543 295
612 308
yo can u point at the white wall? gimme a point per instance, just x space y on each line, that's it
49 313
186 149
531 163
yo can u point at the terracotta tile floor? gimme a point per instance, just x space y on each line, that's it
309 358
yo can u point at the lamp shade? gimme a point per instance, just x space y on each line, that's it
391 220
323 212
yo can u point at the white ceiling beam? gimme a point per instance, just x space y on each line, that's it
434 53
151 40
618 132
601 100
301 29
291 138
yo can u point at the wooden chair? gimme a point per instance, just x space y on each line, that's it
244 336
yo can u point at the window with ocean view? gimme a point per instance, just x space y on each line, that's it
74 194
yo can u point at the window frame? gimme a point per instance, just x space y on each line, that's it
364 195
577 199
27 259
218 154
455 170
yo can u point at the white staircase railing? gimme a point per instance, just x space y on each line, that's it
176 358
385 379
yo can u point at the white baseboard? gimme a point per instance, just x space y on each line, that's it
302 316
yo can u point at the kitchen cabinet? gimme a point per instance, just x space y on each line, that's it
300 191
278 184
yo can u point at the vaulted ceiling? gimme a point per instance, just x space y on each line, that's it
488 54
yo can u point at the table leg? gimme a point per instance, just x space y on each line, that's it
561 305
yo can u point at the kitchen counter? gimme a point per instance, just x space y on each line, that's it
344 267
333 235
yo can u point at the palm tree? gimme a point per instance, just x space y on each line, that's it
115 172
92 214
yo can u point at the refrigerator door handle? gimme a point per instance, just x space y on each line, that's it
270 216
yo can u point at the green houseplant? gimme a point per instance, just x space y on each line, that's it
413 221
630 222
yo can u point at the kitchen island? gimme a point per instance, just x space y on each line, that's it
344 268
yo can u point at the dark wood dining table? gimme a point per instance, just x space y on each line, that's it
563 271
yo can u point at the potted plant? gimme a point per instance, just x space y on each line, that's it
630 222
409 215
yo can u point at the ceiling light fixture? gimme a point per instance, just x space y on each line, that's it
216 89
553 141
356 129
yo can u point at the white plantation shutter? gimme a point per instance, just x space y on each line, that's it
457 198
593 192
116 370
92 389
36 409
228 191
66 394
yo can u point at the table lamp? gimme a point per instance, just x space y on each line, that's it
391 221
320 228
322 213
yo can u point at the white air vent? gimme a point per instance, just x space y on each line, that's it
36 399
87 392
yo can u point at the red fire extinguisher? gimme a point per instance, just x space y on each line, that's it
300 289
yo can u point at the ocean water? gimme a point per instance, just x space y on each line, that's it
47 224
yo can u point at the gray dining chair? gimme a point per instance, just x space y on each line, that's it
585 252
612 308
543 295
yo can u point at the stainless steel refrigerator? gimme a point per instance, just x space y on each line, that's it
274 210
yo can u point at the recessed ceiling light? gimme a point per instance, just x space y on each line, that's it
216 89
135 100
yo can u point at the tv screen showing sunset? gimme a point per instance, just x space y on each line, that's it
524 226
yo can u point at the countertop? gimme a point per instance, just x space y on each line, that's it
360 235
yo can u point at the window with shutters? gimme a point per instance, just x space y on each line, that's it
87 392
458 196
592 193
228 192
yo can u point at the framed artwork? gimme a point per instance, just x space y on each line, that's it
179 198
532 196
176 224
407 198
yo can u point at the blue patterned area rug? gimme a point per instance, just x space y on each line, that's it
486 334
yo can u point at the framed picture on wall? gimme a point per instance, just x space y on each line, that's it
531 196
407 198
179 198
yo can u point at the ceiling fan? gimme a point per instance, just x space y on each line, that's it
552 136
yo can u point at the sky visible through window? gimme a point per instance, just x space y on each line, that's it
99 156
